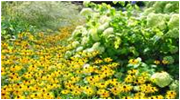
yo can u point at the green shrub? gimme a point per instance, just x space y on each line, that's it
162 7
131 34
10 28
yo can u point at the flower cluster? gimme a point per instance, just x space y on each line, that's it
34 67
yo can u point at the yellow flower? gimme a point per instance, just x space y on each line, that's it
75 79
165 62
152 97
139 95
95 53
157 62
78 88
147 88
102 84
59 97
153 89
133 61
23 88
114 82
97 78
89 90
5 95
48 95
79 71
145 75
90 79
113 65
132 72
129 79
126 97
126 88
108 59
17 92
20 97
76 92
105 68
3 72
170 95
115 90
69 85
65 91
98 61
140 80
160 97
107 73
43 90
31 68
103 93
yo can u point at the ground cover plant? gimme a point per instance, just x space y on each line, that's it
124 53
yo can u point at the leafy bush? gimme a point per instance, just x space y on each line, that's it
126 34
167 32
10 28
162 7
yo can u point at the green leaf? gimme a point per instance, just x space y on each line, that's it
117 42
170 59
115 2
173 49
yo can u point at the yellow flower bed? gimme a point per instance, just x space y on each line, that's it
35 68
